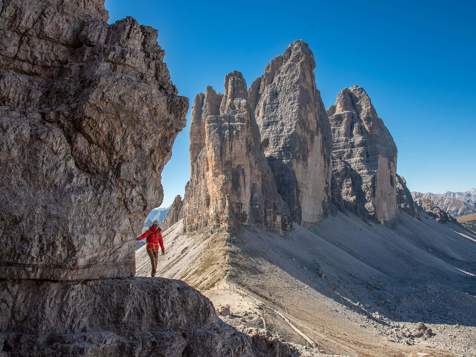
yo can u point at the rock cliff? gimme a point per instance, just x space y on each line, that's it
231 183
174 214
364 157
404 197
88 116
295 132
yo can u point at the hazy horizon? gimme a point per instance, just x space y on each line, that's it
415 61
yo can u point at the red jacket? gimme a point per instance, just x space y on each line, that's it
154 239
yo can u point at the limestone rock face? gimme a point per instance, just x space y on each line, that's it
231 183
404 197
88 116
364 157
149 317
295 132
175 213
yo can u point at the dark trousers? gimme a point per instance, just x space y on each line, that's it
154 257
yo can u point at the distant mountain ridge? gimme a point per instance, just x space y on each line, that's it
158 214
455 203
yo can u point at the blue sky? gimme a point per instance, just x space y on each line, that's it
416 59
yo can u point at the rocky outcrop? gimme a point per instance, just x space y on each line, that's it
88 116
364 157
425 204
231 183
404 197
175 213
149 317
454 203
295 132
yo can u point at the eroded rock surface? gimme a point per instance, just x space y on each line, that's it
88 116
426 205
404 197
454 203
295 132
174 214
150 317
364 157
230 183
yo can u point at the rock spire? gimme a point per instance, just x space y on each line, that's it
364 157
295 132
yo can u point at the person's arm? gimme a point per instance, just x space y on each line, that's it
161 242
144 235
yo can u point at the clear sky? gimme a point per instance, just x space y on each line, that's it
416 59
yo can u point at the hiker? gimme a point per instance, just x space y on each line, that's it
154 240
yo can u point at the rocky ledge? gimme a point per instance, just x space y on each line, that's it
118 317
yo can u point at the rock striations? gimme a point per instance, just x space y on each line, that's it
295 132
231 183
364 157
88 119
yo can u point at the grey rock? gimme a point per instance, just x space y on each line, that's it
425 205
295 132
364 157
231 183
404 197
454 203
118 317
175 213
88 116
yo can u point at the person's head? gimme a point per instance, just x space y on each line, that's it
155 224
